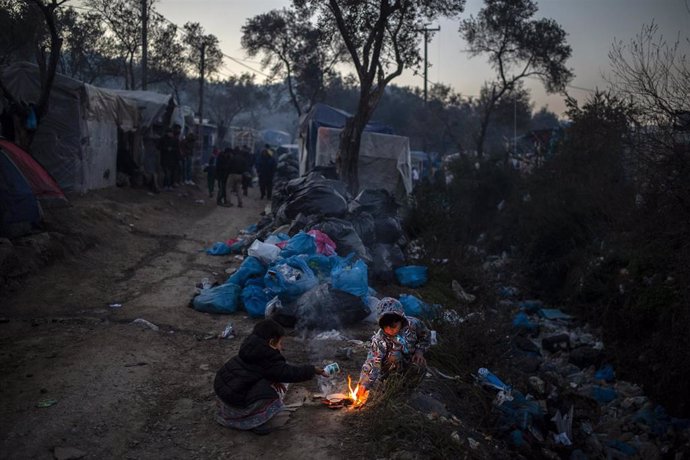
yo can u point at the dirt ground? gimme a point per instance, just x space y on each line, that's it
115 389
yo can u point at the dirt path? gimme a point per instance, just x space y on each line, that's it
122 390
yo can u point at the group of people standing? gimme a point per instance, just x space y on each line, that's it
232 168
176 156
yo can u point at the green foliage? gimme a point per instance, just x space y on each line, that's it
462 210
518 47
295 51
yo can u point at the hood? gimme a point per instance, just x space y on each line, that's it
254 349
391 306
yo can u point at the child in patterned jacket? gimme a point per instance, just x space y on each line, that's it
400 343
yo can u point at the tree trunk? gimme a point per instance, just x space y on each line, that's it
347 161
482 132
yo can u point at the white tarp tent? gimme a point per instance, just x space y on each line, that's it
152 106
384 159
76 140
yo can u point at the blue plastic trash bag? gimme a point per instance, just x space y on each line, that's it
530 306
606 374
277 238
522 321
603 395
508 291
350 277
412 275
322 265
415 307
250 268
219 299
289 278
254 299
486 377
219 249
553 313
301 243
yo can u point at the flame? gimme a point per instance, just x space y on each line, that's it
356 401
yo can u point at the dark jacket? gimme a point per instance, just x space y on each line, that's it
247 377
223 165
169 147
266 165
237 163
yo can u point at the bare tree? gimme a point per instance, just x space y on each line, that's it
124 21
653 74
381 37
518 47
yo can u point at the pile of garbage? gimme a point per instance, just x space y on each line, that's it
287 169
309 265
573 405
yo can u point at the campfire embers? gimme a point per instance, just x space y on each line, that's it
337 401
349 399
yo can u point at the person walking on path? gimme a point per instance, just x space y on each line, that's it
237 166
222 171
210 170
187 155
266 168
247 176
169 147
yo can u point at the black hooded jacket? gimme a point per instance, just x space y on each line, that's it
247 377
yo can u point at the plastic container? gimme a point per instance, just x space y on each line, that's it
332 369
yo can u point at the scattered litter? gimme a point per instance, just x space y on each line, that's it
485 377
146 323
460 293
333 334
445 376
606 374
228 332
115 305
46 403
200 202
474 445
522 321
564 427
553 313
344 353
454 436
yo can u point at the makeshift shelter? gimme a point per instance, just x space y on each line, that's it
76 140
42 185
18 204
324 116
384 159
154 108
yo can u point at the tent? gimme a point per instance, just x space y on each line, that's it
384 159
18 204
322 115
42 185
77 139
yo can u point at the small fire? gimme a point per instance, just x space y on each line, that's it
356 402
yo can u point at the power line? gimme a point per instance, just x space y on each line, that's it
236 60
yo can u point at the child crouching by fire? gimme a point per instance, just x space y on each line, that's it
398 345
251 386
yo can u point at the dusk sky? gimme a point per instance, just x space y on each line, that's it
592 26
